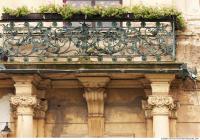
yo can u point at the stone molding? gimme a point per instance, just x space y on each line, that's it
161 104
94 82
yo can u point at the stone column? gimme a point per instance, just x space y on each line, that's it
24 105
24 101
161 103
95 95
160 112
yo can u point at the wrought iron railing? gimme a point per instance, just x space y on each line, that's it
88 41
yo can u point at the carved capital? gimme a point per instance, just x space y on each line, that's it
173 112
147 109
25 101
24 104
95 101
160 104
40 109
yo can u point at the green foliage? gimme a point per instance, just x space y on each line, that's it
90 11
139 12
20 11
67 11
51 8
114 11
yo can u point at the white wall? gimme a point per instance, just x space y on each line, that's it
5 110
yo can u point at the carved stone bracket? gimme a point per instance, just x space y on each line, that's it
161 104
95 101
95 94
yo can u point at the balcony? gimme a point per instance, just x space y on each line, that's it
50 43
88 39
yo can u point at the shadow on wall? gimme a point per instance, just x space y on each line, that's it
137 104
59 122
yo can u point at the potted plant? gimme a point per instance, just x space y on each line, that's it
70 13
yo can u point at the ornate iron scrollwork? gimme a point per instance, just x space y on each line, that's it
118 40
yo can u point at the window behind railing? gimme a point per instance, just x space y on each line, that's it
80 3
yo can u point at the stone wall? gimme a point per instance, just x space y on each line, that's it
67 113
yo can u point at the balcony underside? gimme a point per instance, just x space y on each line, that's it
150 67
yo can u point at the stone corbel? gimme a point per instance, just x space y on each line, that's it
94 88
95 101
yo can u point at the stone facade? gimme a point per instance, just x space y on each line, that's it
109 105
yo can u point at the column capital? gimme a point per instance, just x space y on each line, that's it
161 104
25 101
147 109
40 109
173 111
24 104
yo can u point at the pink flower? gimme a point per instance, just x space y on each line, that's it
64 1
49 1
